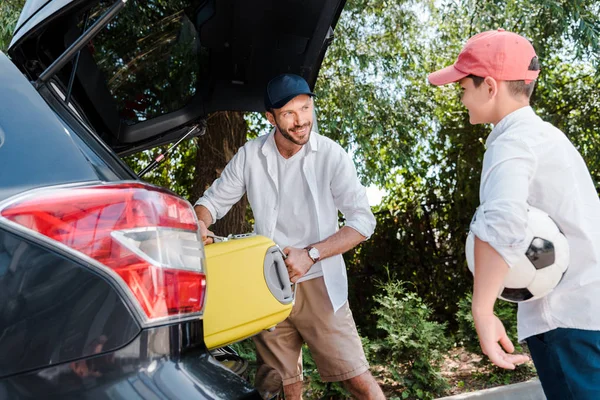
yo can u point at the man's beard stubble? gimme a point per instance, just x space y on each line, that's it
285 133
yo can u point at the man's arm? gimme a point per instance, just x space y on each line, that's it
298 261
224 192
204 221
349 196
490 271
340 242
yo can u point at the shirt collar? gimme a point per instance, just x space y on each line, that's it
508 121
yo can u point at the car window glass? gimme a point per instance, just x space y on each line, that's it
151 56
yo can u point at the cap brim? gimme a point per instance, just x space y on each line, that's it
287 99
445 76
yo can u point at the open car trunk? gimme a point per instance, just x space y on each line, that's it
154 69
161 65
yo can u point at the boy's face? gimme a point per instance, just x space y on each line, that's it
478 100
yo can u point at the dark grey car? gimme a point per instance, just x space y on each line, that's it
102 279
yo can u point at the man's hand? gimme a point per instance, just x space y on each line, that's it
298 262
204 232
491 332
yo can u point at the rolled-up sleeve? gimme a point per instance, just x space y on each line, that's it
501 219
226 190
350 197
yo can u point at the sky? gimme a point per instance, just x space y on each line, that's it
375 194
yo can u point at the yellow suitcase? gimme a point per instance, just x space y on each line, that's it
248 289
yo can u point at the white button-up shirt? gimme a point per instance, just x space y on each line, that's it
333 185
529 161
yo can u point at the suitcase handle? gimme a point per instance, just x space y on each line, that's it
276 276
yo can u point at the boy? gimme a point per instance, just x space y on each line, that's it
529 161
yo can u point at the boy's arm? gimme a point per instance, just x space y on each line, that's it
490 270
499 226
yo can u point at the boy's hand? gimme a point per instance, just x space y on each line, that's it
491 332
298 262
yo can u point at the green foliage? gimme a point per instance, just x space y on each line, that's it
419 243
414 344
363 84
176 172
415 140
245 349
497 376
9 14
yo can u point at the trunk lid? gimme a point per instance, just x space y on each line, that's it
160 66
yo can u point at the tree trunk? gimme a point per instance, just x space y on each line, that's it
225 134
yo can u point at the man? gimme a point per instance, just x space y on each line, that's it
296 181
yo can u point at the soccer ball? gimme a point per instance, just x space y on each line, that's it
540 268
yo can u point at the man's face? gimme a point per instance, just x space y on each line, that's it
476 100
294 120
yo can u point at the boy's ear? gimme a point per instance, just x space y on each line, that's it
492 86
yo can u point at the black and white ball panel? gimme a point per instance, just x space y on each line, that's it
516 295
540 253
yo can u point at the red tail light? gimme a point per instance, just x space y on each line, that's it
145 235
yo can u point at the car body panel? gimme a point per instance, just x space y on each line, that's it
36 151
46 140
160 363
33 15
53 310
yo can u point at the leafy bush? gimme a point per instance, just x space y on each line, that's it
413 345
245 349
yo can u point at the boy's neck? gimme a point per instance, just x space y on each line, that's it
508 107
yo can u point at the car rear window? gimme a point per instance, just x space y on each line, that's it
151 55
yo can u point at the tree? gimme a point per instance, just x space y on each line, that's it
415 140
226 132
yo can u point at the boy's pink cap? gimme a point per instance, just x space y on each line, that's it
505 56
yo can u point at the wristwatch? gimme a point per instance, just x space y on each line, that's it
313 253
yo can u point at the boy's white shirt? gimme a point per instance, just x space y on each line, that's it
529 161
333 185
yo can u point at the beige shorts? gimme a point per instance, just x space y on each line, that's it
332 338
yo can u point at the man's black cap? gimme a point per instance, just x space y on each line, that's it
283 88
